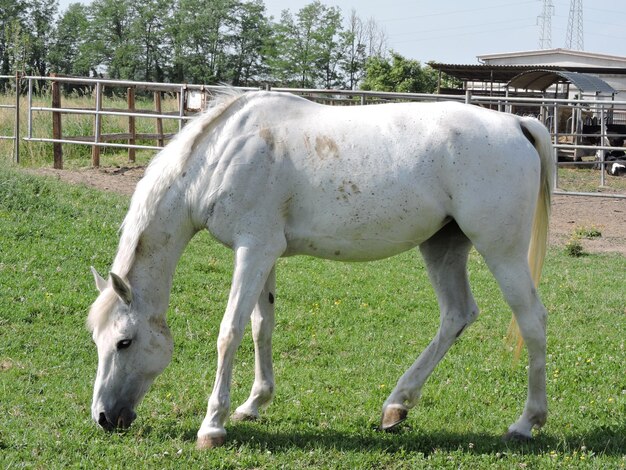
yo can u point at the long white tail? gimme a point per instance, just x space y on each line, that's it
540 137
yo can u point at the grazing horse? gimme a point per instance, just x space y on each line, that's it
271 175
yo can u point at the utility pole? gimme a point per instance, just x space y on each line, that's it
575 38
545 25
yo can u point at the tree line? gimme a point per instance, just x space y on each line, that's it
195 41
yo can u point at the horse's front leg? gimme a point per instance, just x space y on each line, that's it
253 265
262 328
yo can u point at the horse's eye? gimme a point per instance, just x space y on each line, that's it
124 344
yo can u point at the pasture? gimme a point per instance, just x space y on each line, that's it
344 334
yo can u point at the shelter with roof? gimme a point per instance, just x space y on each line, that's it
495 72
554 73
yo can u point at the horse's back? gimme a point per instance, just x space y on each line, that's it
370 181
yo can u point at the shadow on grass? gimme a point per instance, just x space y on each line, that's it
602 440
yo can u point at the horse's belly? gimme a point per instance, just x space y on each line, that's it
348 237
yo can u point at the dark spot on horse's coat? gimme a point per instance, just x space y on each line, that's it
271 298
184 174
326 147
268 137
337 253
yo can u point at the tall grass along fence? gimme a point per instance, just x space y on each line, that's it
71 118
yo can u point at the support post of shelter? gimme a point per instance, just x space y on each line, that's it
603 141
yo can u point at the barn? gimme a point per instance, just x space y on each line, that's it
494 71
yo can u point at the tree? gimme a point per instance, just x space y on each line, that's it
305 49
247 41
112 47
67 52
198 37
12 20
25 35
354 58
40 27
331 47
148 31
398 74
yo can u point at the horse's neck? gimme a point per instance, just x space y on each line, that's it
150 259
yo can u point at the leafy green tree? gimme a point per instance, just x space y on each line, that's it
330 46
148 32
198 31
398 74
247 42
112 46
305 48
40 27
67 53
25 35
12 20
354 58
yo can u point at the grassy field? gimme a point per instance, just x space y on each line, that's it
344 334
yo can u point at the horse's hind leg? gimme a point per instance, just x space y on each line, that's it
513 276
262 327
445 254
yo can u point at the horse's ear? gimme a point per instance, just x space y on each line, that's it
121 288
101 284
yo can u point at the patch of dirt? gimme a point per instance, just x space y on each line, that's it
569 213
120 180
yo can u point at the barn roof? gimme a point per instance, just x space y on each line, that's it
543 79
505 73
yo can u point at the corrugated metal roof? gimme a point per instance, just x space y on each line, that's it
504 73
543 79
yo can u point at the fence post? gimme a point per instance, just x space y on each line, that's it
16 143
57 133
130 94
95 150
159 121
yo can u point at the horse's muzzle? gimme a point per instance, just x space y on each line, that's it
123 420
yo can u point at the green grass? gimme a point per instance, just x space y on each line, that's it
344 334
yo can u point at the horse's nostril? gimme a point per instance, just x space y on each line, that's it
104 422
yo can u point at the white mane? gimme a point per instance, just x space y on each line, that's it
161 172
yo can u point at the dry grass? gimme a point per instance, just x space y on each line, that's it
38 154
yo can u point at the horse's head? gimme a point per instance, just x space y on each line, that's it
134 347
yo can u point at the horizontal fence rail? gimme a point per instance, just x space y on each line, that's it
568 136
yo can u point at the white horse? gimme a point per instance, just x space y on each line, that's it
273 175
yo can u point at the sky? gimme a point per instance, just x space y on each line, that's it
457 31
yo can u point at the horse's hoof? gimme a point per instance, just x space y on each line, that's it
392 416
237 416
514 436
210 442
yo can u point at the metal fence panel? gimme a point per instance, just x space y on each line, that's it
198 96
